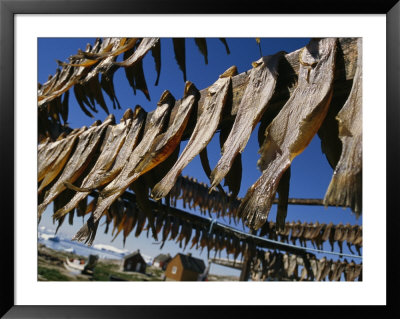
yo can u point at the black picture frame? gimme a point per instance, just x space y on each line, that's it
8 10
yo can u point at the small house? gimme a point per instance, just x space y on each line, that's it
134 262
161 261
184 268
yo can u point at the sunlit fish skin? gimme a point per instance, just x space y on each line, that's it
203 132
303 113
79 160
68 77
52 157
112 146
345 188
121 182
164 144
254 102
145 45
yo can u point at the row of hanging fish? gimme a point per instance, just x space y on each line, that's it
198 195
267 265
315 233
126 216
111 158
82 73
195 195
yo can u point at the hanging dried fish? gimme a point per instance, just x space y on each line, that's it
164 144
176 223
205 128
121 182
141 221
196 237
233 178
64 107
179 50
136 78
202 45
345 188
52 158
166 230
119 45
141 190
293 128
107 85
145 45
156 53
223 40
111 148
254 102
127 148
82 100
80 159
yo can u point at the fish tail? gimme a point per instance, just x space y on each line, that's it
41 209
345 190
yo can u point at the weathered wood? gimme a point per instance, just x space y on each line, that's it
288 72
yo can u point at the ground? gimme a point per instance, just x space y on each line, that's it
51 268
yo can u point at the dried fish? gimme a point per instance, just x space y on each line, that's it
345 188
52 158
80 159
205 128
254 102
195 239
141 221
156 53
111 148
164 144
166 230
179 50
121 182
233 178
293 128
176 222
202 45
145 45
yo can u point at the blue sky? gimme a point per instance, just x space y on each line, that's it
310 175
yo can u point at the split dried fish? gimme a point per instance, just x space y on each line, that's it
80 159
204 130
345 188
145 45
121 182
52 158
293 128
254 102
164 144
112 146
